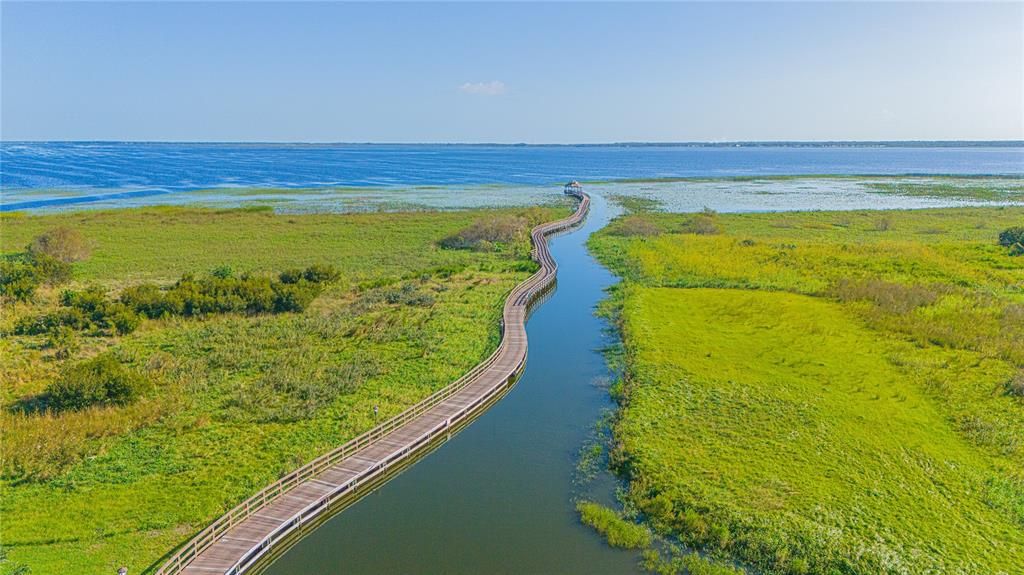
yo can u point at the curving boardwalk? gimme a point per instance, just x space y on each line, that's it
237 540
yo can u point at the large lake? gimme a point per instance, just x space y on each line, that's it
351 177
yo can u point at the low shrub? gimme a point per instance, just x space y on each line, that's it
50 322
122 319
223 272
636 226
291 276
22 275
92 300
292 291
101 311
152 302
50 270
91 309
1013 238
703 224
321 273
101 380
484 234
618 531
18 280
63 341
294 297
63 244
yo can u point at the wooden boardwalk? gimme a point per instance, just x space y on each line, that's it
238 539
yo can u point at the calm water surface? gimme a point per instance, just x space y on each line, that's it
497 498
38 175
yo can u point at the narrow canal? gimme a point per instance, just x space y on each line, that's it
497 498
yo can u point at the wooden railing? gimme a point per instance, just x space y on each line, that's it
534 287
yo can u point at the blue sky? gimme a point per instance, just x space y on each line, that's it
523 72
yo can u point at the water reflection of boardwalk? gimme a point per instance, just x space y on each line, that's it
237 540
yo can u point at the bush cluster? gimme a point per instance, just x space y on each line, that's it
86 310
483 235
101 380
220 294
703 224
66 245
46 260
316 273
21 276
636 226
92 310
1013 238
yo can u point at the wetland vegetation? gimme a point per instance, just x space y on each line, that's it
821 392
191 356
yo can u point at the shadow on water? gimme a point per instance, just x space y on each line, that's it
497 498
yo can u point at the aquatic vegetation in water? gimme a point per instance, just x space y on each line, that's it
990 189
618 531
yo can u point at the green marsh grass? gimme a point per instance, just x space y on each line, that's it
618 531
236 400
808 393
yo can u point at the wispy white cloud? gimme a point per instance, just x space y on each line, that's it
492 88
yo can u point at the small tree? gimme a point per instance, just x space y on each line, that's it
63 244
99 381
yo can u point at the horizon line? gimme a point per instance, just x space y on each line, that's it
625 143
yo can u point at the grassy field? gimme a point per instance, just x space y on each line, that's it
237 399
824 392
